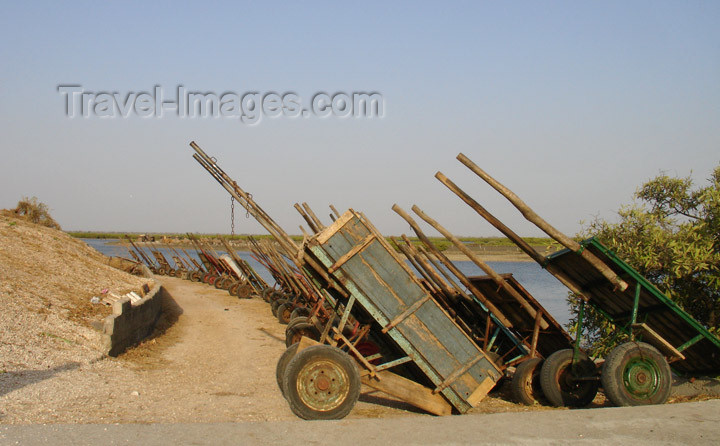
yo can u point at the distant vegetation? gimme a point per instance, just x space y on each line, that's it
441 243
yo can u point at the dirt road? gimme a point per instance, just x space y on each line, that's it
216 363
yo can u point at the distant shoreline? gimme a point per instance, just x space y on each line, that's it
484 253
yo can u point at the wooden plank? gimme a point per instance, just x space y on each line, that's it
483 389
410 392
329 231
405 314
458 373
657 341
350 254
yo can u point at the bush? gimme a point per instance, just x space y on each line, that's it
672 237
35 211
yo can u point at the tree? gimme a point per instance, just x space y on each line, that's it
671 236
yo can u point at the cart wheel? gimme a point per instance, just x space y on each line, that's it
295 332
266 294
525 384
321 383
297 320
636 374
282 364
219 282
275 295
283 312
275 305
560 385
212 279
195 276
300 312
244 291
234 288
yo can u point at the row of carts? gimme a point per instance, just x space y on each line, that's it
400 317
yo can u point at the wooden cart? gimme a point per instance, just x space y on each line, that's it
658 331
435 365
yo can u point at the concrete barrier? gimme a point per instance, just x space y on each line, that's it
129 324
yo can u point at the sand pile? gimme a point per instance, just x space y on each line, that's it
47 279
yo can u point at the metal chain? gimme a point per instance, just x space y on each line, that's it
232 215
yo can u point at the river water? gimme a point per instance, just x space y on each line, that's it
541 284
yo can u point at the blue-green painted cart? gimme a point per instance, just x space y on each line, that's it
435 365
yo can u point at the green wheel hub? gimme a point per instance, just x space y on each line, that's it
641 377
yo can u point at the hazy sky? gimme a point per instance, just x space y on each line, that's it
570 104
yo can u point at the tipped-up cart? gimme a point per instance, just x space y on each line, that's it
658 332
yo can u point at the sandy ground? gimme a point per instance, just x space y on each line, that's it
214 363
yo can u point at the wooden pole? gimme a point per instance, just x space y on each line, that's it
312 215
453 269
532 217
434 276
307 218
509 233
482 265
335 211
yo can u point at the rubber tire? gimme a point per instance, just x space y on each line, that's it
266 294
275 295
297 331
244 291
613 380
575 395
283 312
274 306
525 385
297 320
233 289
341 363
219 282
282 363
300 312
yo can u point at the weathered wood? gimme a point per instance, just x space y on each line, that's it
536 333
306 217
457 374
451 266
409 391
509 233
657 341
434 276
534 218
405 314
482 265
312 215
335 211
350 254
402 248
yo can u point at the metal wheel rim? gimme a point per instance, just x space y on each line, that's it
323 385
641 377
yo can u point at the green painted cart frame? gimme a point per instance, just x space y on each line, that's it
641 310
